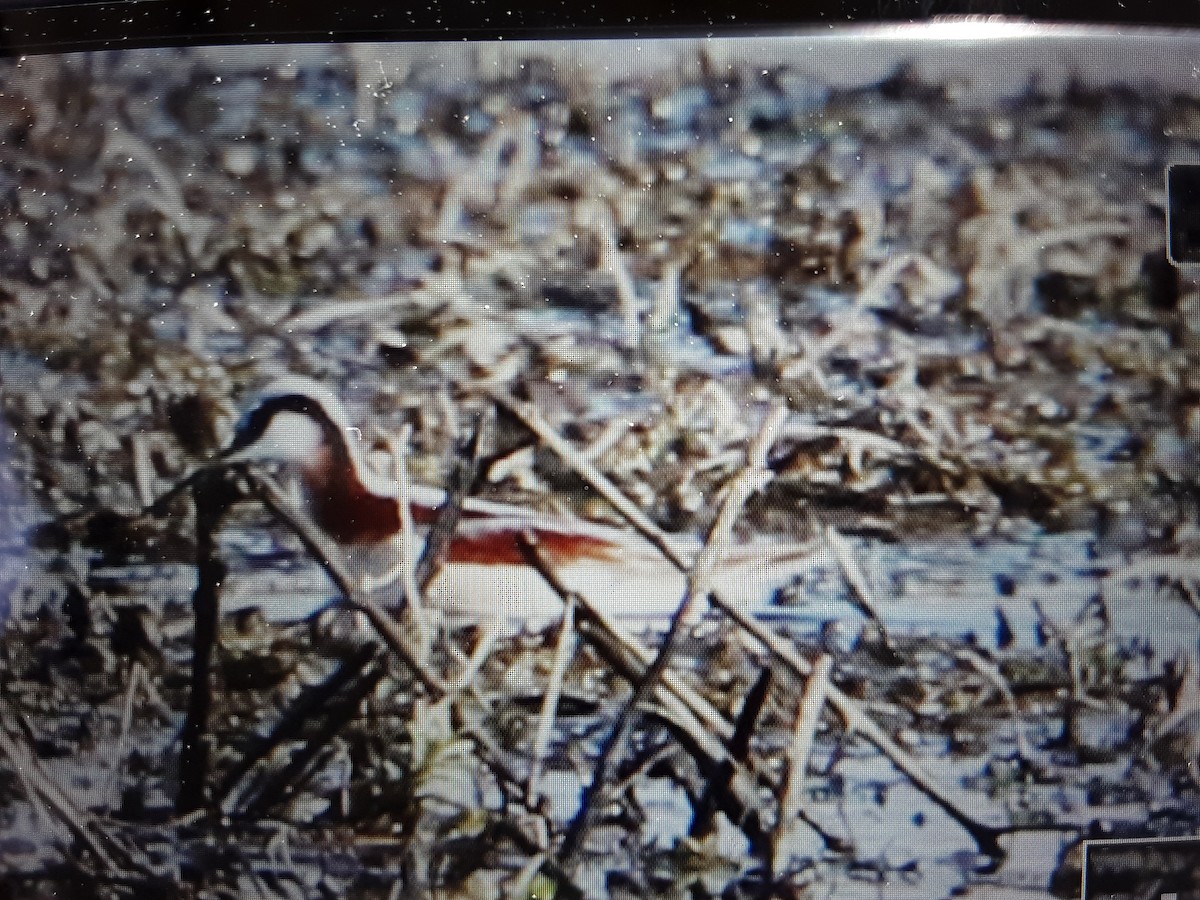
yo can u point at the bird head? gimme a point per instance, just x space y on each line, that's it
294 420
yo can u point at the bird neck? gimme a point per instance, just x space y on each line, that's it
343 506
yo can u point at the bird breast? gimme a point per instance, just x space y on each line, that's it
347 510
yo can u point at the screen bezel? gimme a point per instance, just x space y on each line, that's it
45 27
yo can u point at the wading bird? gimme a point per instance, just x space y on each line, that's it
302 425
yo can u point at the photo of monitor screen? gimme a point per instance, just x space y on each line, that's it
701 467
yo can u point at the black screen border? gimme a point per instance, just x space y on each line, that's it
49 27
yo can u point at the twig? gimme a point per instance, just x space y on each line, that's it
567 889
811 703
317 316
136 677
213 493
1071 643
586 469
699 577
564 652
143 468
624 652
989 670
464 477
161 504
463 480
735 790
314 700
701 729
281 786
857 721
630 304
192 230
855 577
318 547
521 883
46 794
311 702
640 767
852 715
485 639
739 749
408 540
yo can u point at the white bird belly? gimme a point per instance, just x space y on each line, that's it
517 592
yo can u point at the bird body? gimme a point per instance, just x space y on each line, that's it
485 574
